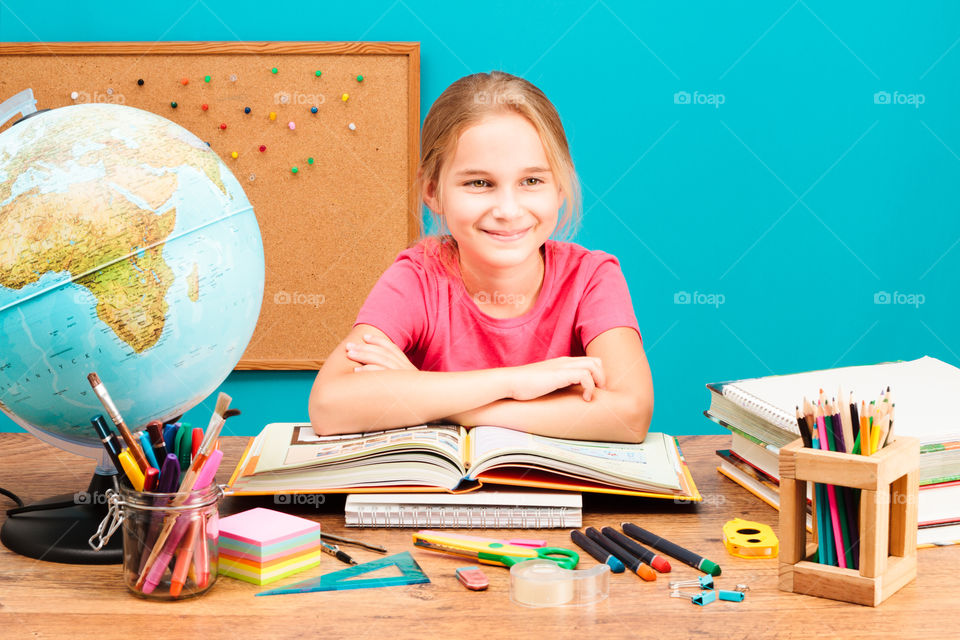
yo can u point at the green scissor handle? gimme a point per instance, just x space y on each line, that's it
566 558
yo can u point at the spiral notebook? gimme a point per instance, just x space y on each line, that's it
481 509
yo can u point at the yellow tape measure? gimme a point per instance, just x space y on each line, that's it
746 539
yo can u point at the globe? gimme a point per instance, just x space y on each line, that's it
129 249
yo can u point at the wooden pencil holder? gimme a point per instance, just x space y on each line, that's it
889 481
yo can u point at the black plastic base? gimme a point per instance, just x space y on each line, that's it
62 534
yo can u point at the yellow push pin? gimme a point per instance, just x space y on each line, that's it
234 155
345 97
273 115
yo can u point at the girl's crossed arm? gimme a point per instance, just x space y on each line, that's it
374 386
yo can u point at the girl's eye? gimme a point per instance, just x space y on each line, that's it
531 182
479 183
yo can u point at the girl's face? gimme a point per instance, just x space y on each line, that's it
500 200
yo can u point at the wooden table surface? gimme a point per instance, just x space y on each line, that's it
46 600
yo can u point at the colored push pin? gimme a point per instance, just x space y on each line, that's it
223 125
206 78
252 177
313 109
352 127
294 170
273 115
204 106
309 160
345 97
359 78
173 104
318 73
701 599
246 109
273 71
140 82
184 81
292 125
234 155
263 148
704 582
731 596
233 77
74 95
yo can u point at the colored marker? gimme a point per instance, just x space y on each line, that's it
131 469
599 553
195 440
657 562
150 479
631 561
156 440
144 438
170 437
109 440
169 475
671 549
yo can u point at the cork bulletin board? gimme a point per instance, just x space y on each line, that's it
330 228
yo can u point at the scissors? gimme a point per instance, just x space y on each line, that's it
490 551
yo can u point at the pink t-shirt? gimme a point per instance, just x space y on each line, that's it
426 311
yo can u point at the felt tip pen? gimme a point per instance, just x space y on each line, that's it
683 555
156 440
631 561
131 469
109 440
101 392
170 437
599 553
148 451
657 562
169 475
150 479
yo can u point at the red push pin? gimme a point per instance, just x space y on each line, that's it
263 147
184 81
204 106
223 125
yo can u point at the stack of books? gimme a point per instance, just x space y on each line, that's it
761 414
263 545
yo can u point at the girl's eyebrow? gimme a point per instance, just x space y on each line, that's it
472 172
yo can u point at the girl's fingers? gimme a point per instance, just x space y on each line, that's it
586 381
368 367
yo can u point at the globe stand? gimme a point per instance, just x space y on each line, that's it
61 533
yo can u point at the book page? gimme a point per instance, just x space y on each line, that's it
653 463
292 446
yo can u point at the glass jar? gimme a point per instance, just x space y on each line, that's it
170 548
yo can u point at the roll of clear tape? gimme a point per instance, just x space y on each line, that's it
542 583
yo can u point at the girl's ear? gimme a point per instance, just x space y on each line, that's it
430 197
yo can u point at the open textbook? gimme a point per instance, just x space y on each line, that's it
290 458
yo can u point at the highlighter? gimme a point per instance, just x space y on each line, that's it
131 469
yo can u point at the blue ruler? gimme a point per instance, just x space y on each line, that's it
346 578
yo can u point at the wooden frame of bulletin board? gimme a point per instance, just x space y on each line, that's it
330 229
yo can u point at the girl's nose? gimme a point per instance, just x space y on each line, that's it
508 206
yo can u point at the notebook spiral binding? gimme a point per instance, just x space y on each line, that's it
489 517
765 410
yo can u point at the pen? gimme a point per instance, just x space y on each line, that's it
345 540
599 553
150 479
671 549
109 440
657 562
183 446
195 440
335 551
170 437
169 475
179 576
107 402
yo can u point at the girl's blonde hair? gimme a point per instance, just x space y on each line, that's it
466 102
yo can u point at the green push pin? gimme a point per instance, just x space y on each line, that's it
309 160
173 104
294 170
206 78
274 70
318 72
359 78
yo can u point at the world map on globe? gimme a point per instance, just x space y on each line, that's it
127 247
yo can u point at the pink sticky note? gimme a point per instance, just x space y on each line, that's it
265 526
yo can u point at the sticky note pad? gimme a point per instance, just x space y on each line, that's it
264 527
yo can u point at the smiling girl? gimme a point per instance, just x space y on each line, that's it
491 321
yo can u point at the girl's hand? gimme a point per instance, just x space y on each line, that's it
377 353
540 378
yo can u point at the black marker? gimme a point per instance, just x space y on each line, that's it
599 553
671 549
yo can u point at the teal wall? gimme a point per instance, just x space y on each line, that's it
785 198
